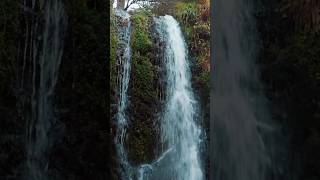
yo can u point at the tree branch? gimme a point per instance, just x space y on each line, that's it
129 3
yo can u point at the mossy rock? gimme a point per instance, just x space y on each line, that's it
142 91
144 76
141 142
113 52
140 40
142 67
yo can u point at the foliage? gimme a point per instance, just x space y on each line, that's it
290 60
141 44
197 31
142 91
186 12
143 71
81 95
305 13
141 41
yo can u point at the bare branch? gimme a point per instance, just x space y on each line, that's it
129 3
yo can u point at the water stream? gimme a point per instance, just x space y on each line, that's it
124 66
180 134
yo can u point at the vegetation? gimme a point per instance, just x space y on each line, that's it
195 22
142 68
145 88
113 51
290 60
142 90
81 144
81 94
305 13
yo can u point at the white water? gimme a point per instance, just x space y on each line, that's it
42 118
180 134
241 120
124 64
145 170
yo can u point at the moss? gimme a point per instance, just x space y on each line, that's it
141 143
204 78
113 51
144 75
142 68
140 38
142 94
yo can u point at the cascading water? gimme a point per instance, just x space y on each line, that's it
45 69
180 134
124 64
240 119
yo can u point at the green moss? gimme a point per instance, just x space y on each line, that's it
142 68
140 38
113 51
141 143
144 75
204 79
142 90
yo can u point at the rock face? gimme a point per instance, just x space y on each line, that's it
146 84
143 93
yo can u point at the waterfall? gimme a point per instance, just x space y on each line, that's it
179 132
124 66
241 122
45 69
